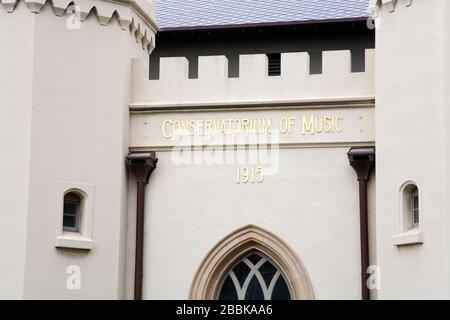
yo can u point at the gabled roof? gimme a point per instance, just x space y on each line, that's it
206 14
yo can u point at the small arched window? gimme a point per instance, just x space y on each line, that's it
72 212
255 277
411 207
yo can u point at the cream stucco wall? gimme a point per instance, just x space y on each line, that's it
412 143
64 119
311 202
66 97
15 141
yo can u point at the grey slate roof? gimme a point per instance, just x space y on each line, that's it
210 13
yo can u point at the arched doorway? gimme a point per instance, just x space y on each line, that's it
261 252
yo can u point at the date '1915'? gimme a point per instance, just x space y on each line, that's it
246 175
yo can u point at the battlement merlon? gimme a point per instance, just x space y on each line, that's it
135 16
214 87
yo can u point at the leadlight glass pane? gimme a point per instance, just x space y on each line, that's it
254 258
267 271
228 291
72 203
254 277
281 291
70 208
241 271
415 200
254 291
69 221
416 217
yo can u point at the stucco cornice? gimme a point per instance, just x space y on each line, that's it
389 4
135 16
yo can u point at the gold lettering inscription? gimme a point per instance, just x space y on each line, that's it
249 175
172 128
287 125
165 133
321 124
310 125
337 127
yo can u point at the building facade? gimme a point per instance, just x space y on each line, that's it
274 157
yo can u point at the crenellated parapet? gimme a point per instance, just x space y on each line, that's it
254 85
135 16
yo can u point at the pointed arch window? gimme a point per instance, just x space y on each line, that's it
255 277
251 264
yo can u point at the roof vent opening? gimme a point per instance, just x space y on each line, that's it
274 60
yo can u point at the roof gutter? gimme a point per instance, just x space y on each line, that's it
261 25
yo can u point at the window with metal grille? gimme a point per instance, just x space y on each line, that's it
72 212
274 64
